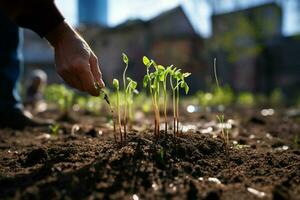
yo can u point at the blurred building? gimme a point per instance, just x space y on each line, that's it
93 12
278 66
168 38
252 54
238 40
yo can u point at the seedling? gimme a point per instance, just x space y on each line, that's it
61 95
130 89
151 80
54 129
117 88
177 81
104 95
221 118
163 79
129 86
125 60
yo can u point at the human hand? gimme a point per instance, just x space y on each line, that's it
75 62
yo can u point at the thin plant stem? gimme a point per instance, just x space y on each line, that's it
119 116
165 107
215 73
221 118
125 102
130 115
174 105
174 112
114 123
156 113
177 109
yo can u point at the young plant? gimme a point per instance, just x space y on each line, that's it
221 118
157 74
117 88
61 95
129 86
151 80
125 60
163 79
130 89
54 129
177 81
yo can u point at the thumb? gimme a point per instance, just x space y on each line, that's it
96 70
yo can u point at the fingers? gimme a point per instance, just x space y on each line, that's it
82 70
72 81
96 70
79 75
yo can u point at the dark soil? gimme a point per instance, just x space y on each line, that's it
263 162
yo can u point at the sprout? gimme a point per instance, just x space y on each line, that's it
130 90
153 80
177 81
221 118
129 86
60 94
117 88
54 129
163 79
125 60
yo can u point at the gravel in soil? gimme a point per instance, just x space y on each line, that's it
263 163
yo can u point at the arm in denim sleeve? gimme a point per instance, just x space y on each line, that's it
41 16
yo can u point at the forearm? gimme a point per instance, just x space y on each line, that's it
41 16
60 33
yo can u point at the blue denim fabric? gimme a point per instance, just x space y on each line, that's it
10 64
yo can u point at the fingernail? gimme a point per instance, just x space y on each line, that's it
102 83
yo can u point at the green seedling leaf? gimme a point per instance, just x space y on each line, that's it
185 86
169 69
54 129
133 85
162 76
182 84
154 86
146 61
145 81
178 74
116 84
125 58
186 75
160 67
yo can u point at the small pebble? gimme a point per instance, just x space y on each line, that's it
257 193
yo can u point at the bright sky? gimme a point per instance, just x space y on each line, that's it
149 8
197 10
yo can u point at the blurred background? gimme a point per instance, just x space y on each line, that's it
256 42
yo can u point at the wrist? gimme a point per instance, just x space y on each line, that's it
59 33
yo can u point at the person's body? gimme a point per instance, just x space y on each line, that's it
75 62
34 94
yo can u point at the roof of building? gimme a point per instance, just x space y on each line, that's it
138 22
248 9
